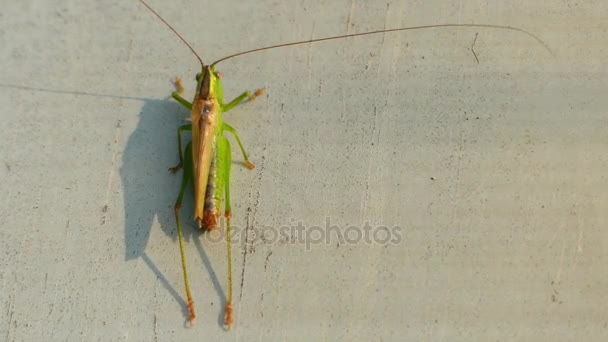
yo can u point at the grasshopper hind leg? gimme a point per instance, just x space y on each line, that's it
227 161
178 204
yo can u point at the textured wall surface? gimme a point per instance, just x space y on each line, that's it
447 184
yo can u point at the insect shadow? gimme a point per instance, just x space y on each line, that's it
150 191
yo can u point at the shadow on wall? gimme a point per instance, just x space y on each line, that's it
150 191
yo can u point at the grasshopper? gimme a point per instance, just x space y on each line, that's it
206 160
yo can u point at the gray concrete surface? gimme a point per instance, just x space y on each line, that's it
490 176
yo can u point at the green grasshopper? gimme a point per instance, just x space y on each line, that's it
206 160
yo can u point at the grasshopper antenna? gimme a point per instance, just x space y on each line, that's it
174 31
503 27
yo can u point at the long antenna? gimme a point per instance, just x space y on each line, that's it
174 31
504 27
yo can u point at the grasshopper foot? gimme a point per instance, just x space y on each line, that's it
178 85
191 312
249 165
176 168
228 316
255 94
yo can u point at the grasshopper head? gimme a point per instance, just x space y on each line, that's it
207 81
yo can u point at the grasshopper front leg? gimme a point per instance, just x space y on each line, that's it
176 95
239 99
244 97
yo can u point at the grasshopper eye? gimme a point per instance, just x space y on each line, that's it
197 77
